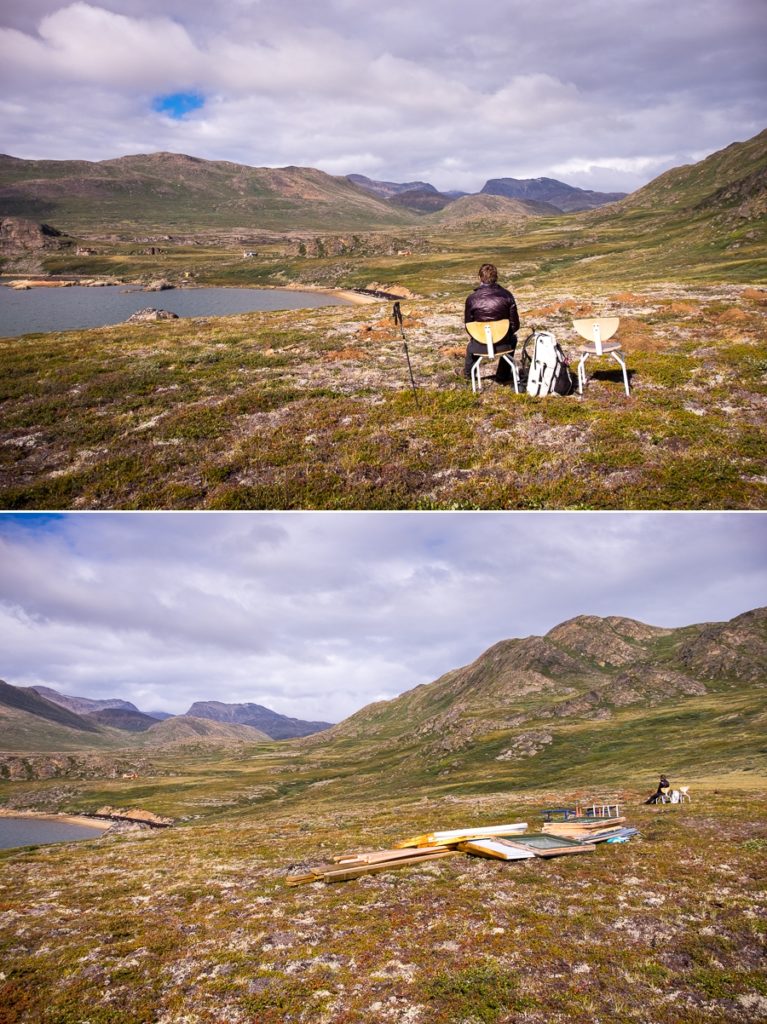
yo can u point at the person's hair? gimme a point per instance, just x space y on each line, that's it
488 273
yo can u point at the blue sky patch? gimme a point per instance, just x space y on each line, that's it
178 104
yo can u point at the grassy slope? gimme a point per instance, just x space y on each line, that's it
184 414
196 924
22 731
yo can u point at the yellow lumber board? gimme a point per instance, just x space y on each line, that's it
462 835
376 856
307 876
347 874
564 828
589 834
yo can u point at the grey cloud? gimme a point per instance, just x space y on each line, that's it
619 93
318 614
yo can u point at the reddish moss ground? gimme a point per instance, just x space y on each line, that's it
195 926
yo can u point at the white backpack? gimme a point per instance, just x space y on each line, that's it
548 368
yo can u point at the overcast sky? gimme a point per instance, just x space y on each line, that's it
600 94
316 615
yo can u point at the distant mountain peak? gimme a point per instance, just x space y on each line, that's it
275 725
83 705
567 198
389 188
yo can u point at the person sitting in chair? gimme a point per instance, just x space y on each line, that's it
489 301
663 787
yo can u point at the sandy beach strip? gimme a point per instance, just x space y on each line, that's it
71 819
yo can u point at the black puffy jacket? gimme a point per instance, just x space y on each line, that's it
491 302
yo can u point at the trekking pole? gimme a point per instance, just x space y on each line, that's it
397 315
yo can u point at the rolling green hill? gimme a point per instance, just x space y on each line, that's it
705 222
175 193
702 221
702 184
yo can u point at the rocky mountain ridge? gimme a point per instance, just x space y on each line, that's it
30 722
82 705
585 668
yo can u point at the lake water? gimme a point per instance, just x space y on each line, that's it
30 831
78 307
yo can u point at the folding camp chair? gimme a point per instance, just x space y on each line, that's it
597 331
489 333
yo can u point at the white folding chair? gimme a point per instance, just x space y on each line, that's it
489 333
597 331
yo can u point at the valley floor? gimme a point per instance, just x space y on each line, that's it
194 925
314 409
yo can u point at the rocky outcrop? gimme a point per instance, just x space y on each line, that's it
612 641
27 767
20 236
136 814
527 744
736 649
159 286
150 315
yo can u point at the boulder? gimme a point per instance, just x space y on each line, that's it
19 235
159 286
145 316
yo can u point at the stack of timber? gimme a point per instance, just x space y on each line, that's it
416 850
500 842
581 828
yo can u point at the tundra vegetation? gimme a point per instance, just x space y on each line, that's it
313 408
194 924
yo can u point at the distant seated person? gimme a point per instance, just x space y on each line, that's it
663 787
489 301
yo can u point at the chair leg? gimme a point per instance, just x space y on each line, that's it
476 381
514 372
582 372
625 375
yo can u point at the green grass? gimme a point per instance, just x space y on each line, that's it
313 409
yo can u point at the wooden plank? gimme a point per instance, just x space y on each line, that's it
377 856
306 877
347 874
581 828
553 851
462 835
